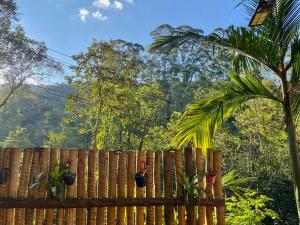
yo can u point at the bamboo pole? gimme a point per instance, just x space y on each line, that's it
63 157
102 190
158 186
34 171
13 182
180 175
23 185
209 186
131 169
149 186
53 163
190 170
112 187
81 184
5 159
44 164
92 183
71 190
140 192
121 187
168 178
218 193
200 170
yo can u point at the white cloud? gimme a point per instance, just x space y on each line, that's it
97 15
118 5
83 13
103 4
129 1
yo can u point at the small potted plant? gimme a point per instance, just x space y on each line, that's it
69 178
140 178
3 175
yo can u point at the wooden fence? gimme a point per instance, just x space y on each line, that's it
105 190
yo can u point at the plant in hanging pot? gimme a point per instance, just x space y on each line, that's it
210 177
4 172
69 178
140 178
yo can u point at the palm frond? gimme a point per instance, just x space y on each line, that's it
203 118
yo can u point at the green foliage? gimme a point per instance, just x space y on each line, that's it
252 210
18 138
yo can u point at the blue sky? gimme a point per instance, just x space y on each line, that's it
60 24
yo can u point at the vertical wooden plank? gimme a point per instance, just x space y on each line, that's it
14 168
92 191
53 163
158 186
149 186
140 192
81 184
131 169
102 187
34 171
168 179
112 187
200 172
23 185
218 193
5 159
71 190
64 154
122 186
190 170
179 176
209 186
44 164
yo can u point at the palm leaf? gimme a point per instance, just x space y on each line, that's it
203 118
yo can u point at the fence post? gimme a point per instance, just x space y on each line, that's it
71 190
140 192
13 182
121 187
149 186
218 193
102 176
4 187
200 172
168 178
92 193
131 169
23 185
112 188
179 177
158 186
190 170
209 186
81 184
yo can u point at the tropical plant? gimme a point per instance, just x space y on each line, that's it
274 46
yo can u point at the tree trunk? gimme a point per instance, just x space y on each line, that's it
292 140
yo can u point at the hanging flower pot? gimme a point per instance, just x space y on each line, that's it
211 177
140 179
4 175
69 178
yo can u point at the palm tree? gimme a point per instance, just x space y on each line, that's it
274 46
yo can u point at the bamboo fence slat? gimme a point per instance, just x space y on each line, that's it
218 193
209 186
168 179
53 162
71 190
81 184
149 186
112 186
131 169
121 187
179 178
140 192
102 190
158 186
5 159
92 191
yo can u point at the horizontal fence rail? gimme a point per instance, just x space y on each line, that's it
106 190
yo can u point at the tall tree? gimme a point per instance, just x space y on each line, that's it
275 46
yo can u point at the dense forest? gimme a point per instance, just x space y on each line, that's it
118 95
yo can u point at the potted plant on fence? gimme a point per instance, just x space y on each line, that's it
58 179
140 177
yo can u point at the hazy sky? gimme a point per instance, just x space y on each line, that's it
70 25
